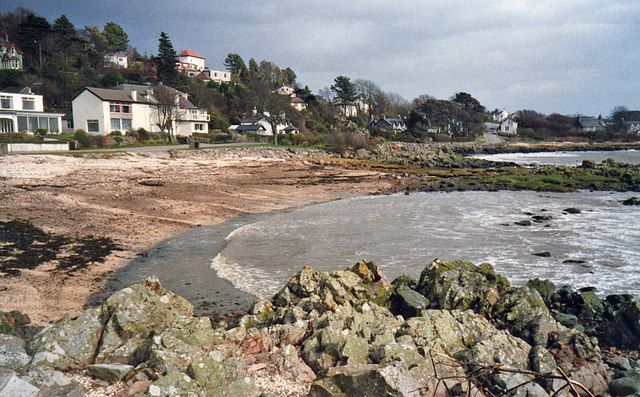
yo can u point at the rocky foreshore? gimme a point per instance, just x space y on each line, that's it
459 330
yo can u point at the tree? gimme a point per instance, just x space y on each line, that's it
473 112
63 28
166 60
254 69
369 92
234 64
31 33
289 77
618 115
168 110
116 37
344 90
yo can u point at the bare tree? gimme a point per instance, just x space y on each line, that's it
368 92
168 107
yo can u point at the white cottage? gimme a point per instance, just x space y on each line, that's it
23 111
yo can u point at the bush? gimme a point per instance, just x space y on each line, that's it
41 133
341 141
84 140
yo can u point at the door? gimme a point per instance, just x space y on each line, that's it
6 126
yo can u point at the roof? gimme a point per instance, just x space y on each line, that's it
590 122
186 104
253 118
17 90
390 121
291 128
202 76
9 44
190 53
113 95
295 99
250 127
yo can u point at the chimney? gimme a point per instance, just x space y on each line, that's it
255 111
134 95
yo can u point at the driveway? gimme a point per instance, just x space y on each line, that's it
493 139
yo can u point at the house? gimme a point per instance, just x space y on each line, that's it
633 127
256 123
133 106
290 129
355 108
23 111
10 56
387 124
190 62
590 124
118 60
294 100
219 76
509 125
498 115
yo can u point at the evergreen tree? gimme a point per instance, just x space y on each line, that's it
116 37
235 64
31 34
166 60
345 91
63 28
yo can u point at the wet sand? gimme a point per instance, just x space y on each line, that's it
140 200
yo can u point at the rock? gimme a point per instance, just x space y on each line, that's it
151 182
574 261
12 352
46 376
183 340
631 201
71 390
134 314
461 285
174 383
12 386
542 218
541 361
625 386
408 302
68 344
368 380
523 223
588 164
619 363
406 281
221 376
110 372
572 210
545 288
568 320
544 254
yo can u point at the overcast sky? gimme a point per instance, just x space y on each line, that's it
569 56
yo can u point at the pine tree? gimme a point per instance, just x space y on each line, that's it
345 91
116 36
166 60
63 27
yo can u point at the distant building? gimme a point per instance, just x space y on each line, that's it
509 125
590 124
633 127
23 111
190 62
294 100
256 123
118 60
387 124
355 108
10 56
498 115
219 76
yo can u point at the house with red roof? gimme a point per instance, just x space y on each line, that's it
10 55
191 62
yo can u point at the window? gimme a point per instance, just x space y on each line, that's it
22 124
54 126
126 124
199 127
506 128
93 126
114 108
126 109
115 124
33 124
43 122
5 102
28 103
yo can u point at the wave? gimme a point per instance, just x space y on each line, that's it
249 279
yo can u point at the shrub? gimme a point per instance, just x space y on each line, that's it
41 133
343 141
83 138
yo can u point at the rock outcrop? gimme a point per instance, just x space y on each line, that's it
459 329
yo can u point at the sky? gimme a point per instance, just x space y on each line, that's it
569 56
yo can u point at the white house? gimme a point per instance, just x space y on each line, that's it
355 108
294 100
190 62
10 56
508 126
259 124
498 115
387 124
118 60
23 111
219 76
132 106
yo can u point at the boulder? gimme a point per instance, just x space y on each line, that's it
42 376
174 383
180 342
525 222
572 210
12 352
110 372
631 201
134 314
408 302
625 386
68 343
368 380
221 376
12 386
74 389
461 286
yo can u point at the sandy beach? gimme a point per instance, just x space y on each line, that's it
139 199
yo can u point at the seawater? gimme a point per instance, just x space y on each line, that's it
403 233
571 158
